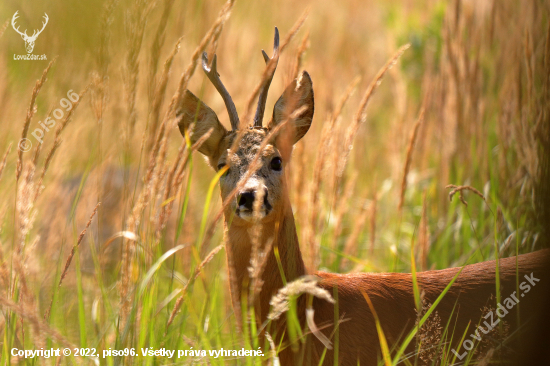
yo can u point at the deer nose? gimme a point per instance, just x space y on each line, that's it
245 200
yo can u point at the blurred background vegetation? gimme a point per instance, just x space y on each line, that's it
478 69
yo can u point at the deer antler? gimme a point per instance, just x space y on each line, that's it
271 63
35 34
15 16
214 77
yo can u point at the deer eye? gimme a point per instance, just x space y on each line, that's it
277 164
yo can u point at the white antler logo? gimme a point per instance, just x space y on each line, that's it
29 41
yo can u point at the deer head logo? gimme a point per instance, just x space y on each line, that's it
29 41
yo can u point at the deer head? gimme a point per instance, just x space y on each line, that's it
29 41
239 148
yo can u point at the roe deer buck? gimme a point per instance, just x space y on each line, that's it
255 160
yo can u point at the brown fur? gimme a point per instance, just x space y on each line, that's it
391 293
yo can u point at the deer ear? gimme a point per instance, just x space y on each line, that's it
192 109
299 94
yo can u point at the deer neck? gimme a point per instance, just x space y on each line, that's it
278 235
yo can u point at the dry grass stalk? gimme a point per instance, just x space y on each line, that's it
36 322
70 113
26 297
258 255
153 180
172 186
360 115
3 29
408 159
343 207
257 269
167 199
335 140
310 314
295 28
280 303
156 47
350 247
300 55
424 235
158 178
5 274
299 164
194 147
151 190
30 113
374 208
272 349
36 154
70 257
310 229
214 41
182 86
255 233
38 148
47 162
223 16
136 19
107 19
57 141
78 241
4 159
160 92
429 335
24 206
325 144
233 284
100 79
460 189
196 274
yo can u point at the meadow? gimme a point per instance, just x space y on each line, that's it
430 139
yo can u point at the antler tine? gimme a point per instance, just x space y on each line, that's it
270 63
13 19
36 33
214 77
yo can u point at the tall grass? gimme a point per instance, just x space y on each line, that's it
366 182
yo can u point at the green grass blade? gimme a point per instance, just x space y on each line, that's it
381 337
412 333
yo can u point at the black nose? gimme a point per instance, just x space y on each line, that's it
245 200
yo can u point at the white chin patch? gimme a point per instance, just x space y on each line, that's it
249 215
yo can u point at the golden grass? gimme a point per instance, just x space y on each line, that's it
477 71
198 271
31 110
408 159
71 255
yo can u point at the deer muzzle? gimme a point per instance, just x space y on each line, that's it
253 203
